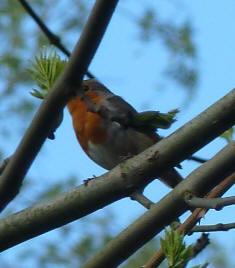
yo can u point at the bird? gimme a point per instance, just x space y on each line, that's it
110 130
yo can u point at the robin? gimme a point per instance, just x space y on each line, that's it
107 129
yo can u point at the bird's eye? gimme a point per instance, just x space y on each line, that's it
85 88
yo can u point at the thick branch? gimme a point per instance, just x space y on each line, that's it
112 186
52 106
134 172
54 39
214 203
164 212
4 164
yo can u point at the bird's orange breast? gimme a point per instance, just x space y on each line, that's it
87 125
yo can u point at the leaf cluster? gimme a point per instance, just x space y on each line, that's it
45 70
175 249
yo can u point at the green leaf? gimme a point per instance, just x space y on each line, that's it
45 70
153 119
175 250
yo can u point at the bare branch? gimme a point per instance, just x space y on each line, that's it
58 97
54 39
214 227
214 203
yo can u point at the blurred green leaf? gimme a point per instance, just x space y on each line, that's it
175 250
228 135
45 70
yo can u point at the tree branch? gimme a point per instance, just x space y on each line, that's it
53 105
139 171
201 243
54 39
4 164
193 219
108 188
163 212
214 203
214 228
143 200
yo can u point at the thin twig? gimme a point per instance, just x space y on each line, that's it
214 227
197 159
213 203
54 39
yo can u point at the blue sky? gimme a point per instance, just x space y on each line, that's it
132 70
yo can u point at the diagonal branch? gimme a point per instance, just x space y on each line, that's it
136 173
53 105
165 211
193 219
112 186
4 164
54 39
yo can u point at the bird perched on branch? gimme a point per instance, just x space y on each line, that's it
110 130
107 127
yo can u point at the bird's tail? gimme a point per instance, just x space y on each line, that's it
171 177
